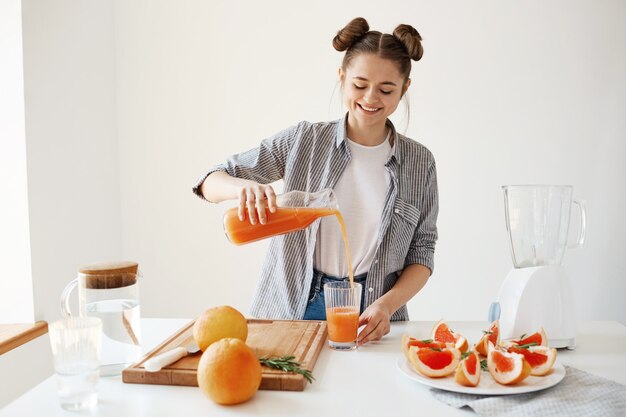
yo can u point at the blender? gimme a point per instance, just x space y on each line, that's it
536 292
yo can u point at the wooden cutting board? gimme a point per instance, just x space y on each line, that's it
302 339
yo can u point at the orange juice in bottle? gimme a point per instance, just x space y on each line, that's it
284 220
295 211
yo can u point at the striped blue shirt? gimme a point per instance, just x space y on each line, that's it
310 157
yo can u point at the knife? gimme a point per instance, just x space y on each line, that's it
158 362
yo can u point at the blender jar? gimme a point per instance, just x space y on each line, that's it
537 221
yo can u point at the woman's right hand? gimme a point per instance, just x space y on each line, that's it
254 199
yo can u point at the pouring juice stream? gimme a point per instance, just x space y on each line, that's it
295 211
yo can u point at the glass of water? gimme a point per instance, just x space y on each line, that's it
75 344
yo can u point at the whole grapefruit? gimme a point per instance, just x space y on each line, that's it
217 323
229 372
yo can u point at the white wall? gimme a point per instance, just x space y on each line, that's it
507 92
72 162
16 290
127 104
72 153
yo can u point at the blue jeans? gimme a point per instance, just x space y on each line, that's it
316 307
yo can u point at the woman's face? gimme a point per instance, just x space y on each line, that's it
372 89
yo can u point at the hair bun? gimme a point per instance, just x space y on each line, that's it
350 33
411 40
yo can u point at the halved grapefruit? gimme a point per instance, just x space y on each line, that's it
468 370
507 368
433 362
408 341
442 333
540 358
538 337
492 335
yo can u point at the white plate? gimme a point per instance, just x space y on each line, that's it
487 385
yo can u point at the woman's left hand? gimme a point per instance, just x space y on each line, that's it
376 318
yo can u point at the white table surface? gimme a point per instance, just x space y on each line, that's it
365 382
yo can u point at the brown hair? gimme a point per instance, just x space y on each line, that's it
401 47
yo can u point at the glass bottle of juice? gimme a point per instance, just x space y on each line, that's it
295 210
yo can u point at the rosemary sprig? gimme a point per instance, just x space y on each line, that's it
527 345
435 349
465 354
522 336
287 364
427 340
487 332
483 365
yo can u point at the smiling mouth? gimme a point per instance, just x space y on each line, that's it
369 109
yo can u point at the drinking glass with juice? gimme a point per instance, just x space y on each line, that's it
343 301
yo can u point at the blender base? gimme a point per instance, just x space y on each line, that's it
536 297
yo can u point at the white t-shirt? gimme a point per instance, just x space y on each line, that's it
361 192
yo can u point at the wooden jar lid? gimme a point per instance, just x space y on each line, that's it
104 275
109 268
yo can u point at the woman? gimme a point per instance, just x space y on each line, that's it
385 184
